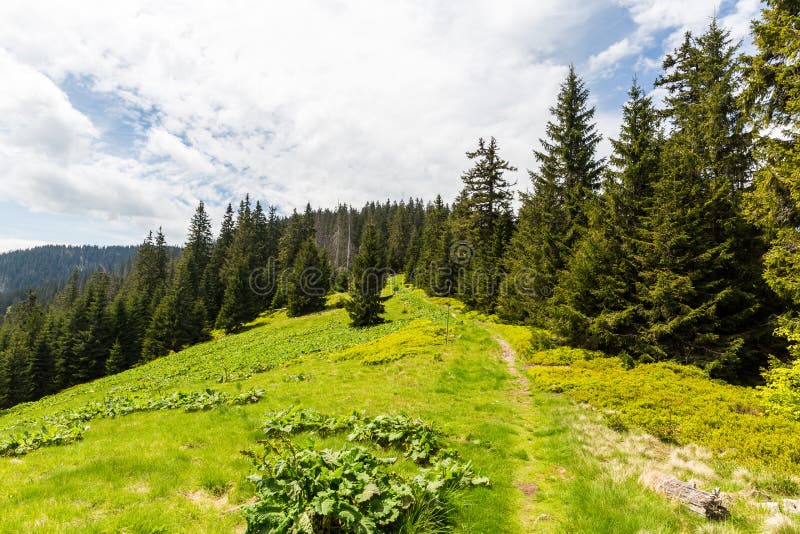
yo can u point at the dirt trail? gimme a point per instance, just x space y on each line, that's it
509 355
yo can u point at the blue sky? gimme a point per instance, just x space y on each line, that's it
118 118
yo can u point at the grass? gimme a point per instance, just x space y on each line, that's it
555 466
183 472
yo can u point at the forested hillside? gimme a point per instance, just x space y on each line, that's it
47 268
682 246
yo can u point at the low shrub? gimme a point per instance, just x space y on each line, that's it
337 300
418 337
677 403
782 390
559 356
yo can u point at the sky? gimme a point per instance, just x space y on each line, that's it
119 117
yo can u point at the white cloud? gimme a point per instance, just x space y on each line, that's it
293 102
50 161
652 17
613 54
161 143
37 115
302 101
738 22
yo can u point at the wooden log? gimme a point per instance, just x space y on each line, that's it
701 502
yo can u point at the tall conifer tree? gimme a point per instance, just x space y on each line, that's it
308 281
433 271
482 223
555 216
213 280
368 277
773 99
702 272
596 300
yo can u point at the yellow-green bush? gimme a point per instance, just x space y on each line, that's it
679 404
782 391
337 300
559 356
419 336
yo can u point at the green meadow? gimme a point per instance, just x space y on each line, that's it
563 440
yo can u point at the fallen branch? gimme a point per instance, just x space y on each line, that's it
700 502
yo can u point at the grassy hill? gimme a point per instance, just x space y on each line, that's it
131 453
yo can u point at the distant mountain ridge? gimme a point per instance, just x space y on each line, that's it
46 268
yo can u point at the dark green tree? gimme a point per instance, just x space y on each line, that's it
213 280
368 278
433 272
95 340
123 352
397 241
181 317
773 99
568 155
309 280
481 224
24 364
298 229
146 285
241 302
701 273
555 215
596 301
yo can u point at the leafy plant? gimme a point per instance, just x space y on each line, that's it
418 440
415 438
310 491
67 427
352 490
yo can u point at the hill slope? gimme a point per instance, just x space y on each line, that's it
46 268
553 464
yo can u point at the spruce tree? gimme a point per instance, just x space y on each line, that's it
25 364
158 339
773 99
555 215
182 311
308 281
241 303
416 223
213 280
433 272
116 362
41 364
568 155
299 228
94 341
368 278
146 286
397 242
701 272
13 379
197 251
596 301
123 352
268 233
482 223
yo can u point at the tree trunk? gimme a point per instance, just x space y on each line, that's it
701 502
